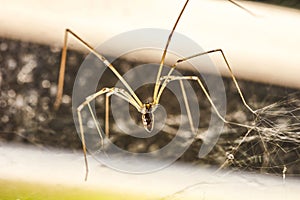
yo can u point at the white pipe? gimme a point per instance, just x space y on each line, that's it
66 169
263 48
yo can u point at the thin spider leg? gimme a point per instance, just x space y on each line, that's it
83 144
108 91
107 115
200 54
123 96
188 110
196 78
157 83
98 55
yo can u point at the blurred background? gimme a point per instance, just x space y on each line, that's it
261 48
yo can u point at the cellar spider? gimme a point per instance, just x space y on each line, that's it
146 109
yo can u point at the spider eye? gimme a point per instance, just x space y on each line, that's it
147 119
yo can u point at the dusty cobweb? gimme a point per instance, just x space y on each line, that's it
273 144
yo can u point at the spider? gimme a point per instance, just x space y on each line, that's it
146 109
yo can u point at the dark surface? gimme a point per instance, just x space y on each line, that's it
28 75
287 3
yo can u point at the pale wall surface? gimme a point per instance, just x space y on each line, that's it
262 48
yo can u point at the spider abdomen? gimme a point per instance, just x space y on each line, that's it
148 119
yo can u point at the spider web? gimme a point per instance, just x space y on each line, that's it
272 146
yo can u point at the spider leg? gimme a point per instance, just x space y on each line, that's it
98 55
200 54
108 91
157 83
188 110
196 78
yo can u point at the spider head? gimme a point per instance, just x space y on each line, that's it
148 116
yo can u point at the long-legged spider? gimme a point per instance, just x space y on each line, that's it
146 109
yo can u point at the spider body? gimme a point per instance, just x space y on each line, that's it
148 116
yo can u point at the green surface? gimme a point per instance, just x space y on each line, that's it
17 190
